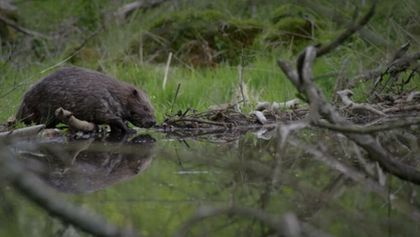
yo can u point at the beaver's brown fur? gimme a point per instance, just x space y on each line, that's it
90 96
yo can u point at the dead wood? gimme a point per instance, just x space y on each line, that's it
241 85
320 108
389 125
389 76
23 132
349 104
21 29
356 175
229 118
126 10
74 123
302 79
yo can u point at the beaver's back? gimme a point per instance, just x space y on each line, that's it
87 94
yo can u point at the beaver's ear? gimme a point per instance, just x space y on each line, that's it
134 92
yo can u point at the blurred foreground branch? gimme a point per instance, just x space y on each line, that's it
35 190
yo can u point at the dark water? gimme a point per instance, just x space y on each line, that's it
312 182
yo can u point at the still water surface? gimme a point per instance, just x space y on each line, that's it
155 182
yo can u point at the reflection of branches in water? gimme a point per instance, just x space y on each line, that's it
55 152
361 178
35 190
287 225
272 182
256 172
254 169
216 135
251 172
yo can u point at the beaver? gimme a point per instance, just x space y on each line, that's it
90 96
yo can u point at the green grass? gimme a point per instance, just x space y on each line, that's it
199 87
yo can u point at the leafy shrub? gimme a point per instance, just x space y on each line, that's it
203 38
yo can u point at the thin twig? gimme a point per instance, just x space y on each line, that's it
168 64
194 120
175 96
241 83
347 33
22 29
72 54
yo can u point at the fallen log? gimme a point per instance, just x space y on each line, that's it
23 132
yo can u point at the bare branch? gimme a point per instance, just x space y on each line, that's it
74 123
241 83
400 123
354 174
368 142
290 72
74 52
402 108
321 108
23 132
221 124
22 29
348 103
280 224
349 32
124 11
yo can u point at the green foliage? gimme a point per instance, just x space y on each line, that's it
292 26
203 38
89 14
220 34
287 11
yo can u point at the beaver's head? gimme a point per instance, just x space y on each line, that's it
140 110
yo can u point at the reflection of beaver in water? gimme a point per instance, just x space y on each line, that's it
82 166
90 96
